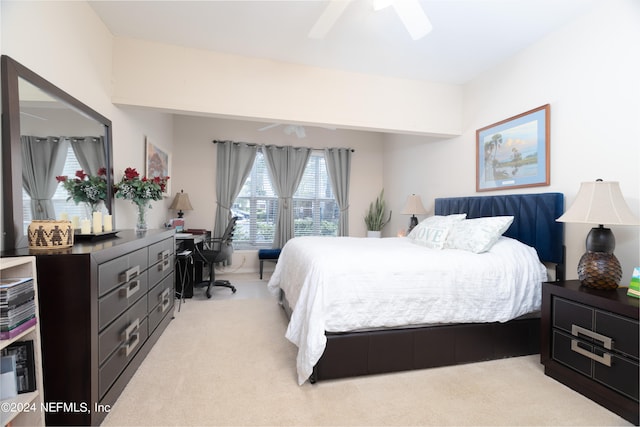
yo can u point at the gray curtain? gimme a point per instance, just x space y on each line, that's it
338 161
234 163
286 166
89 151
42 160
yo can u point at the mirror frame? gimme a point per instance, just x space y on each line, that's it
13 228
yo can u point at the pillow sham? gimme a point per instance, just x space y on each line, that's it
478 234
433 231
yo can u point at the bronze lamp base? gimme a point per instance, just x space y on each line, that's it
599 270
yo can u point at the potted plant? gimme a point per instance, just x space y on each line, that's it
375 216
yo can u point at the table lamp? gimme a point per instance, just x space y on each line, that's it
413 207
600 202
181 203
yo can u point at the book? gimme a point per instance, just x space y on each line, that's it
634 285
25 365
5 335
8 384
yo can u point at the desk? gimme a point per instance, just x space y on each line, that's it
190 242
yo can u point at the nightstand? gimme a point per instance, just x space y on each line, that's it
589 342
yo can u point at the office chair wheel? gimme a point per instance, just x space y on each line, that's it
208 293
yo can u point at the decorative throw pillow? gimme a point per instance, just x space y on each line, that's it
478 234
433 231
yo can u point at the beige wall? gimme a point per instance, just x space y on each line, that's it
194 160
190 80
587 72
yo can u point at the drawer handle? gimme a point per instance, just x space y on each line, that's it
164 256
166 301
131 273
605 359
132 336
605 340
130 289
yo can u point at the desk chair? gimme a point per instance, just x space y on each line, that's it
218 249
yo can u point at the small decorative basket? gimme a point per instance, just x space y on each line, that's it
50 234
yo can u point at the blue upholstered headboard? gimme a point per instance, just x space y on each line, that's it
534 220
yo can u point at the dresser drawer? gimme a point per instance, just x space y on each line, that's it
161 250
115 336
121 269
160 301
111 305
615 372
114 366
160 270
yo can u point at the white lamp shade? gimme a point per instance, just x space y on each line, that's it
600 202
413 206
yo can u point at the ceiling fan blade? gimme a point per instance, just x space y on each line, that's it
273 125
413 17
332 12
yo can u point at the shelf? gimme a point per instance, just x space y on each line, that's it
26 408
22 403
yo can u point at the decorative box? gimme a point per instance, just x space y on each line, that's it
50 234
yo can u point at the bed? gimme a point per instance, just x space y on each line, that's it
368 317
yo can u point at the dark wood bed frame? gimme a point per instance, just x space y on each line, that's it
351 354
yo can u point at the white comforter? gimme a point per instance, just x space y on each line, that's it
340 284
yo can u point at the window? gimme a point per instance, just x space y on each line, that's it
59 198
315 210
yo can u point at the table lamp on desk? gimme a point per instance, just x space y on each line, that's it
180 203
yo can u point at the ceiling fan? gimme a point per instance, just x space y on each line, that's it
410 13
288 129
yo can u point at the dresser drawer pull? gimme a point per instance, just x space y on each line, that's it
164 256
166 301
131 273
131 337
605 359
130 289
605 340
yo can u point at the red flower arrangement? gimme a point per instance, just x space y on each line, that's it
140 190
86 188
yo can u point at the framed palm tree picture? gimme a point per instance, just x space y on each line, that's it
514 152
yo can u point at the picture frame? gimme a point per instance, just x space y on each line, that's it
158 163
514 153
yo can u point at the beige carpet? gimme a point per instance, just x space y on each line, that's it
226 362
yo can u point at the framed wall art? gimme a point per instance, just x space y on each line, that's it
514 153
158 163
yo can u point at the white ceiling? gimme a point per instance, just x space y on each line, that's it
468 37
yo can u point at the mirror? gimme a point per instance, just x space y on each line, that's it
45 133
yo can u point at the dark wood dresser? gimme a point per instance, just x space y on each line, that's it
103 305
590 341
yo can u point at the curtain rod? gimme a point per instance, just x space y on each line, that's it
215 141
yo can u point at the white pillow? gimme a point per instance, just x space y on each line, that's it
478 234
433 231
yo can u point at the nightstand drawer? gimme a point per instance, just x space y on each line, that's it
608 330
623 331
605 367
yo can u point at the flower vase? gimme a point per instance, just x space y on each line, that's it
141 222
91 207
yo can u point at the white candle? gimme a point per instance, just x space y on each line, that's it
97 222
108 223
75 222
85 226
64 216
